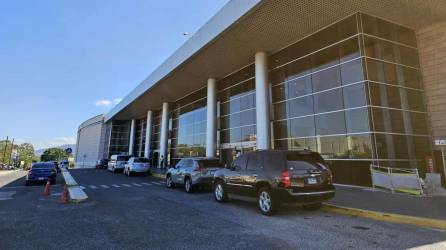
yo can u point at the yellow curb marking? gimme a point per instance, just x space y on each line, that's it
395 218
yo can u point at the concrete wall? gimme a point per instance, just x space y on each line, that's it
90 142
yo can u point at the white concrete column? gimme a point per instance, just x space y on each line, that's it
132 136
148 133
164 134
211 126
262 101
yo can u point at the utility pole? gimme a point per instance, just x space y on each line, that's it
10 154
4 152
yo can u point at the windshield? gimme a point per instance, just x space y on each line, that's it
122 158
211 164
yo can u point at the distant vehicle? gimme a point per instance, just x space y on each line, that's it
102 164
64 164
117 163
193 172
275 177
137 165
41 172
56 164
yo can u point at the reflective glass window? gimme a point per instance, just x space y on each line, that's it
302 127
329 124
328 101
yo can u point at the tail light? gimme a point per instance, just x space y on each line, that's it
286 181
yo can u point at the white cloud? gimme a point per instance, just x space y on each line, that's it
107 102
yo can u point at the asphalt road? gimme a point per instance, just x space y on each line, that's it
140 212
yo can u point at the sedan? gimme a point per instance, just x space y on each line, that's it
41 172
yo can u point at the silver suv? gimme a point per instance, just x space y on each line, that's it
193 172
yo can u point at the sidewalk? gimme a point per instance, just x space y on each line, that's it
384 202
159 172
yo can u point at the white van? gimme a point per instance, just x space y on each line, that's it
117 163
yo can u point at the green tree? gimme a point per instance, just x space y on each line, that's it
5 150
54 154
26 153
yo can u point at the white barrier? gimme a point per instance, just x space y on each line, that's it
76 193
406 180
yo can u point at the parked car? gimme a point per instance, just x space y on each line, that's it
275 177
117 163
41 172
137 165
64 164
193 172
102 164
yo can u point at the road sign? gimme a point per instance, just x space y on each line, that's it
68 150
440 142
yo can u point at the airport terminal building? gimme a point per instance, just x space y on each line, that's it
361 82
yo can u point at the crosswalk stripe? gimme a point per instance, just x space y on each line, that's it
136 184
126 185
116 186
104 186
92 186
146 183
6 195
82 187
156 183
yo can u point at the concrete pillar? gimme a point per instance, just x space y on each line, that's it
164 134
262 101
148 133
132 136
211 126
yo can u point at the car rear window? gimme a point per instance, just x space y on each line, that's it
43 165
123 158
304 160
141 160
210 164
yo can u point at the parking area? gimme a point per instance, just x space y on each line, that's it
140 212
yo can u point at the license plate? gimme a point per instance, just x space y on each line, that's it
41 178
312 181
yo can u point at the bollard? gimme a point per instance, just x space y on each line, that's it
64 196
47 190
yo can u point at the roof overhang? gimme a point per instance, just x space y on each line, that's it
229 40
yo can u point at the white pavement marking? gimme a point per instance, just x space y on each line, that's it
126 185
82 187
56 194
146 183
136 184
104 186
92 187
156 183
116 186
6 195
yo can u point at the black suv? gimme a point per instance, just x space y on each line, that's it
276 176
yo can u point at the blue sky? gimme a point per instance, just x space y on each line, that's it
62 62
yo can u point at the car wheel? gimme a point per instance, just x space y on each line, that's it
169 182
220 194
188 185
267 203
313 206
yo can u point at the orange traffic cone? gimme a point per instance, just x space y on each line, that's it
64 197
47 190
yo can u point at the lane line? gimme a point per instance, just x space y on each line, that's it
156 183
136 184
92 187
116 186
82 187
126 185
104 186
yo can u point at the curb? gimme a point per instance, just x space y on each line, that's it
157 175
388 217
76 194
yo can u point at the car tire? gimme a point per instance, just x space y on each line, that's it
220 194
267 203
188 185
313 206
169 182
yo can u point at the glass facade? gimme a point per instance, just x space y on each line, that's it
119 139
351 91
188 127
237 113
